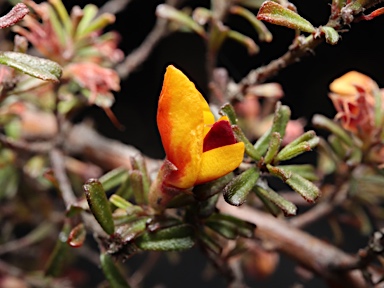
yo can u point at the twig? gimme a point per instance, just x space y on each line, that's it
322 209
38 234
58 166
34 147
138 56
145 268
312 253
300 48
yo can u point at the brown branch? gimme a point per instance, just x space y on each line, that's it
300 48
312 253
21 145
138 56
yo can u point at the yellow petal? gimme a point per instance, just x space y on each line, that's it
345 85
218 162
180 120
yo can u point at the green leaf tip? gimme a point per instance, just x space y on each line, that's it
274 13
99 205
40 68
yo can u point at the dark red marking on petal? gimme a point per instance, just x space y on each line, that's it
221 134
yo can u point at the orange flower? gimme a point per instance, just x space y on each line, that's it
198 149
353 97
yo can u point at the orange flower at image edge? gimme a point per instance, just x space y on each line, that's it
353 97
198 150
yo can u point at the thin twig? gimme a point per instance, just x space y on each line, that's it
303 46
36 235
58 166
138 56
33 147
144 269
314 254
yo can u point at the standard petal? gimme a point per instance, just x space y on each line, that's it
218 162
180 119
346 84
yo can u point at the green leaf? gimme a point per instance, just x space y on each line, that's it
273 148
251 3
43 69
229 111
261 29
290 152
99 205
113 275
170 13
113 178
138 163
174 238
280 119
249 148
205 191
59 254
236 191
207 241
274 13
305 170
207 207
133 229
89 12
309 191
230 227
331 35
287 207
321 121
245 41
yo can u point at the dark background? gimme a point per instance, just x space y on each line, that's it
305 85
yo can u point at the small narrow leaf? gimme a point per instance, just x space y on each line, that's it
170 13
280 119
321 121
293 151
59 254
113 178
229 111
174 238
133 229
274 13
205 191
207 242
273 148
331 35
245 41
113 275
309 191
236 191
262 30
305 170
229 226
287 207
261 144
138 163
99 205
43 69
249 148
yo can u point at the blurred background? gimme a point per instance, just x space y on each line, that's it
305 85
